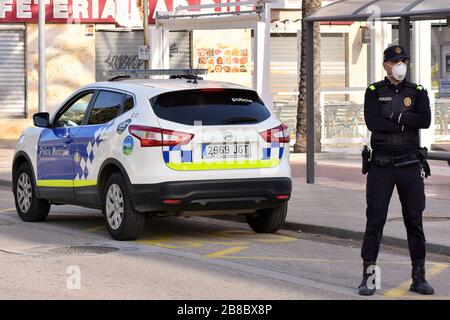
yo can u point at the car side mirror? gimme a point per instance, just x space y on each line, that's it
41 119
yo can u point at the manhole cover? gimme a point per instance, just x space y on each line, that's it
74 250
425 219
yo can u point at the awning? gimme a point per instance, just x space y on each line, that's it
360 10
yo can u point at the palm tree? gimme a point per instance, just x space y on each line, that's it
308 7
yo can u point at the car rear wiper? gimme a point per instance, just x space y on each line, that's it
239 120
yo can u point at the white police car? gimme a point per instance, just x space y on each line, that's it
138 148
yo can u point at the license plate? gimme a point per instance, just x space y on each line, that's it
226 151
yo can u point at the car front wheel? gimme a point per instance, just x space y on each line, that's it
29 207
122 221
267 220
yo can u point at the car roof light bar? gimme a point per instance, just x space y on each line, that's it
119 74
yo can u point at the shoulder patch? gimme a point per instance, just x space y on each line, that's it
420 88
372 87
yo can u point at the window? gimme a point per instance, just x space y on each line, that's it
73 116
128 103
106 107
210 107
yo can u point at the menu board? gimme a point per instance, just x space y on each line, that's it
217 60
225 53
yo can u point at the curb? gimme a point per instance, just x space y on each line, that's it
5 183
431 248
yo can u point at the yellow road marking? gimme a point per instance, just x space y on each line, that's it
264 238
7 210
95 229
164 243
403 288
220 239
287 259
223 253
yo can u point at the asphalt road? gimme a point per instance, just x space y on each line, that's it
71 256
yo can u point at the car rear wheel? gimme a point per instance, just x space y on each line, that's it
28 206
122 221
267 220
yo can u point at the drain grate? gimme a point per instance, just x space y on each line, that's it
75 250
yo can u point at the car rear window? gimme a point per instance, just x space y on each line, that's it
210 107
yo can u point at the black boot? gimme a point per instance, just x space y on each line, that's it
364 290
419 284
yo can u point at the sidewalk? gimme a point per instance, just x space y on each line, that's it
6 156
338 209
341 213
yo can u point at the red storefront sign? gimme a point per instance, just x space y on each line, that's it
87 11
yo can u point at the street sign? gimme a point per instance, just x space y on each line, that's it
365 35
144 53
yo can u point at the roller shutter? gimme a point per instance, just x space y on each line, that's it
12 74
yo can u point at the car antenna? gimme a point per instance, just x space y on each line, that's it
118 78
196 72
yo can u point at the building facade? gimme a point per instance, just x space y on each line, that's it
85 39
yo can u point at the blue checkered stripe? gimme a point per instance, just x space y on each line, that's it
88 147
177 154
272 151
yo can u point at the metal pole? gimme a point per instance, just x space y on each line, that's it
310 174
41 47
146 41
405 38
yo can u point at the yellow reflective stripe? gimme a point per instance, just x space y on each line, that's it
420 88
250 164
66 183
55 183
84 183
372 87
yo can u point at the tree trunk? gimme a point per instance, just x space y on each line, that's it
308 7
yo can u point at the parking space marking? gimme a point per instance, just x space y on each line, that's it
223 253
95 229
170 243
7 210
403 288
258 237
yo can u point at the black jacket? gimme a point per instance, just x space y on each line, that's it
394 114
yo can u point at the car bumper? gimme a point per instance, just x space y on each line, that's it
211 195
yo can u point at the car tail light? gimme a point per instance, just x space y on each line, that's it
283 197
156 137
277 134
172 201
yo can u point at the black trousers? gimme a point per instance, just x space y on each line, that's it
410 187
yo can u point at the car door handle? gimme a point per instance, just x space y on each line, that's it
68 139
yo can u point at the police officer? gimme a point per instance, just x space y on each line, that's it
395 110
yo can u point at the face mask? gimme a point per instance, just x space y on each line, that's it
399 71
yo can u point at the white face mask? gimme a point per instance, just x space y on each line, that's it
399 71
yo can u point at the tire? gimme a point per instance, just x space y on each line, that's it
29 207
267 220
122 221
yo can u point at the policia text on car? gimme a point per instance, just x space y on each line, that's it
395 110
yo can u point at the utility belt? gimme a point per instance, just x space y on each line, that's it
409 159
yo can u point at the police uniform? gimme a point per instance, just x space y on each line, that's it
394 114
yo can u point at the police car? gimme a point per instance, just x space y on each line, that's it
139 148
